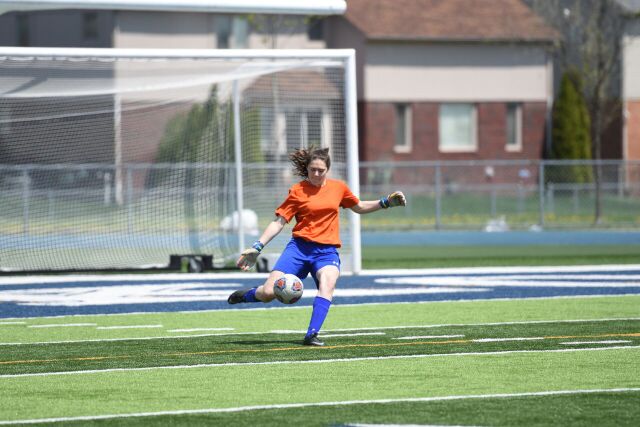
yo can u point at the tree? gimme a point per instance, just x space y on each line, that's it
592 33
571 128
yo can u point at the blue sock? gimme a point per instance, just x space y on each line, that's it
250 296
320 310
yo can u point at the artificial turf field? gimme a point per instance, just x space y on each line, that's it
548 361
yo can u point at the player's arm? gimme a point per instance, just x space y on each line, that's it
249 257
394 199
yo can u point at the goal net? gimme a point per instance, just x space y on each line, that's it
117 159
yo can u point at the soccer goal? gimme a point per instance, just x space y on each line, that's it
120 158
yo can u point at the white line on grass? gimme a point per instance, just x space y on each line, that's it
596 342
315 404
200 329
427 337
61 325
12 323
286 331
352 335
347 360
507 339
130 327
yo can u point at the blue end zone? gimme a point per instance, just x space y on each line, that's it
77 295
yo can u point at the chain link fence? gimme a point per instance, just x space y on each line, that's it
506 195
457 195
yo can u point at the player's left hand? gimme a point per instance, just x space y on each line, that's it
396 199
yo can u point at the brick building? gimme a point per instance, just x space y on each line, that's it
449 80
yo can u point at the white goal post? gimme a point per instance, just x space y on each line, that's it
118 158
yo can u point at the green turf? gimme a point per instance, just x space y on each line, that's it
602 409
395 369
60 357
369 367
277 317
381 257
232 386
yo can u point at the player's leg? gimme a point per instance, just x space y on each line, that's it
326 278
263 293
290 261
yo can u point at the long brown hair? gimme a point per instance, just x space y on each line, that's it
302 157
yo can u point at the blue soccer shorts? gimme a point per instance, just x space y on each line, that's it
301 257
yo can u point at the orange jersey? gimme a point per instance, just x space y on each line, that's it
316 210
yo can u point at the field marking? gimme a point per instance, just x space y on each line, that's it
276 331
489 282
12 323
595 342
202 277
503 270
62 325
426 337
299 348
201 330
352 335
130 327
508 339
347 360
316 404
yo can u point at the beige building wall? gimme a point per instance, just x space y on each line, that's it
631 91
458 73
199 31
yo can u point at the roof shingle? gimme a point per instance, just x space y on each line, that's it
448 20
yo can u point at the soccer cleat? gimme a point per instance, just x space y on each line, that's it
238 296
312 340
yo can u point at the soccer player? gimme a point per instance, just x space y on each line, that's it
314 202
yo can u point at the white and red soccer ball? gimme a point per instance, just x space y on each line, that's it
288 289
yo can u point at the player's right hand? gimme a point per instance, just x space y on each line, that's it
247 259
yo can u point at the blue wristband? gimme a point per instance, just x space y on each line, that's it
257 245
384 202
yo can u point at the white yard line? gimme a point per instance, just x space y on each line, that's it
427 337
130 327
287 331
351 335
508 339
62 325
347 360
595 342
316 404
200 329
12 323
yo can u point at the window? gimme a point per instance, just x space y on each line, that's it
458 128
223 31
240 32
403 129
231 31
5 119
90 25
22 29
514 127
315 29
303 129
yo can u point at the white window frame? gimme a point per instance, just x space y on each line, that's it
517 146
404 146
474 130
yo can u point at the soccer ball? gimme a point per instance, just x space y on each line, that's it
288 289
